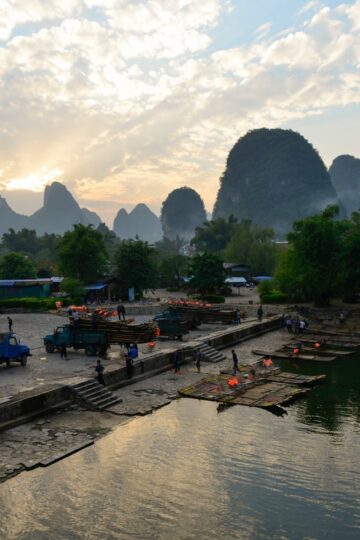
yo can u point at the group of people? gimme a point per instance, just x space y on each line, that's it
251 375
294 326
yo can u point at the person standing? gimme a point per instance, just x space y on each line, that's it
176 362
121 312
260 313
302 326
237 316
341 318
235 362
63 351
198 357
289 325
10 323
100 372
76 318
129 366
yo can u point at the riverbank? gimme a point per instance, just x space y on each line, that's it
48 439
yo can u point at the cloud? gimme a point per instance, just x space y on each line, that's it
263 30
129 102
310 6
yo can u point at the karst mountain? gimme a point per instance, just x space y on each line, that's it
274 177
345 176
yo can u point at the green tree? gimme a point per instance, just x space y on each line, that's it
350 256
253 246
16 266
311 268
111 241
82 253
207 274
24 241
214 235
74 288
167 248
136 267
172 270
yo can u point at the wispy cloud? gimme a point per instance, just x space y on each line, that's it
262 30
310 6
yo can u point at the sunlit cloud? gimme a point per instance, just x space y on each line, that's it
35 181
124 101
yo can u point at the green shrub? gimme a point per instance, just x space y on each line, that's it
73 287
265 287
29 303
276 297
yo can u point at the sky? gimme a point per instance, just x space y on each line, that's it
124 101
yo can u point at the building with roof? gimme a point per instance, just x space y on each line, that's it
29 288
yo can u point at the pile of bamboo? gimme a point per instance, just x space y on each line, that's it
206 314
120 332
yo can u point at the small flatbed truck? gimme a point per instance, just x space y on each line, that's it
11 350
93 341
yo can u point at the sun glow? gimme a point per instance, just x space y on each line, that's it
35 181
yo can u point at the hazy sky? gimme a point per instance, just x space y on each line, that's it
124 101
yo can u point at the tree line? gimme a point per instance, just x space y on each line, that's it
320 262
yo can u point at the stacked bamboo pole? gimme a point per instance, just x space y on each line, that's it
120 332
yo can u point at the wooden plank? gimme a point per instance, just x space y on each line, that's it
318 351
330 344
284 356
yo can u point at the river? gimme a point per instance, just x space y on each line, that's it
191 472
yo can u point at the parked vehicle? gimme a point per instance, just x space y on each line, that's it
12 351
93 341
171 327
191 318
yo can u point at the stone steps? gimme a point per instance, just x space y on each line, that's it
210 354
93 395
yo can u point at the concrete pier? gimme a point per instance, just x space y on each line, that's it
27 405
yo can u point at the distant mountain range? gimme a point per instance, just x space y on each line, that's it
272 178
141 222
60 212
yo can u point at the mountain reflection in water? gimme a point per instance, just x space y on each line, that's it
187 472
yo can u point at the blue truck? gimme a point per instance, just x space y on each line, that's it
11 350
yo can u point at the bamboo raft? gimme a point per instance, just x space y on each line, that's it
334 338
276 375
319 351
337 332
267 394
283 356
330 344
120 332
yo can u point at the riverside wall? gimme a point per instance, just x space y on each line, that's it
35 402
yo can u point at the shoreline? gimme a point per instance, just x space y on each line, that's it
49 438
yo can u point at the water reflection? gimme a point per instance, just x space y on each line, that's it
337 400
188 472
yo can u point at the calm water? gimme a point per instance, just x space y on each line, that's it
188 471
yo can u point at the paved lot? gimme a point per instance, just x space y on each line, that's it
43 368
